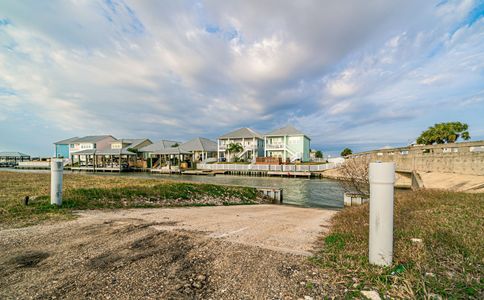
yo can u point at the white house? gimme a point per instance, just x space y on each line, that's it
287 143
251 141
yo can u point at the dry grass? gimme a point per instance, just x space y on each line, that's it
449 261
96 192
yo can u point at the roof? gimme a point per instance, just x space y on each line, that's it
241 133
92 138
200 144
132 142
158 146
287 130
66 141
13 154
172 150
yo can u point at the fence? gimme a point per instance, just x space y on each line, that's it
275 168
34 165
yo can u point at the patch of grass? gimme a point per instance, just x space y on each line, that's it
335 241
448 262
100 192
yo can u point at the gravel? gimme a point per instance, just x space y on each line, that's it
130 258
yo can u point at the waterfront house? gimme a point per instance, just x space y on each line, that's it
62 147
287 143
251 141
11 159
91 142
149 152
120 155
200 148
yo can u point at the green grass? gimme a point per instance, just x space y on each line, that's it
105 192
449 261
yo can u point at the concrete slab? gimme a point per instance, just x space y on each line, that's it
277 227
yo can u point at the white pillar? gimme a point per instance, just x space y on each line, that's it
253 149
284 149
382 180
56 169
218 150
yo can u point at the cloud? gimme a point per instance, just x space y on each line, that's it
339 71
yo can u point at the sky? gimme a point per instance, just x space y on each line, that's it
349 73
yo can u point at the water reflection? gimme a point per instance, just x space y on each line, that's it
297 191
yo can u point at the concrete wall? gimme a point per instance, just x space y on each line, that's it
461 158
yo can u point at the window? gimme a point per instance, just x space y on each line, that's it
404 152
293 140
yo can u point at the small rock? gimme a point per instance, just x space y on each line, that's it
197 285
372 295
417 241
302 283
435 296
430 274
201 277
308 298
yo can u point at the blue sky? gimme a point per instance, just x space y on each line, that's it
348 73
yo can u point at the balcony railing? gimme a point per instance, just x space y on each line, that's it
275 146
249 147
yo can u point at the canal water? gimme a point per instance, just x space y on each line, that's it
324 193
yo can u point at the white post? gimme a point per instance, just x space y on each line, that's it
56 171
382 180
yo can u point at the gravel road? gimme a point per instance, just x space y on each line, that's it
235 252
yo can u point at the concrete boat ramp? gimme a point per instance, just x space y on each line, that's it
281 228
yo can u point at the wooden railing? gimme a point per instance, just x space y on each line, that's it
277 168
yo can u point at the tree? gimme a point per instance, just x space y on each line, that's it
234 148
346 152
442 133
318 154
355 173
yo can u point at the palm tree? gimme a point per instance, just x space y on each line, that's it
234 148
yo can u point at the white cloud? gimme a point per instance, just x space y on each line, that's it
175 69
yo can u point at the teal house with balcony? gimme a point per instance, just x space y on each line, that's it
287 143
61 148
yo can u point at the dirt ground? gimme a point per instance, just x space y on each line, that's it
235 252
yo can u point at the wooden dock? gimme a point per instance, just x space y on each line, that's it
255 173
197 172
291 174
165 171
